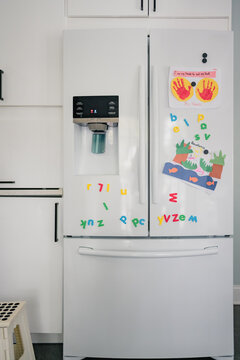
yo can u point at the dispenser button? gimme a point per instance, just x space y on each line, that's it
79 103
112 113
111 107
111 103
79 108
79 114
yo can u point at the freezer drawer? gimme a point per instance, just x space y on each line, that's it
148 298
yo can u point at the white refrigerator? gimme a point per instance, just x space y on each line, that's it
148 193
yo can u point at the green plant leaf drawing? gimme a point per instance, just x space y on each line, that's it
218 159
189 165
183 148
204 166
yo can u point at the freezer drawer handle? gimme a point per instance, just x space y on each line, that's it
56 223
142 138
142 5
155 136
211 250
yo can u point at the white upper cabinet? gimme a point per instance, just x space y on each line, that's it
30 51
152 8
190 8
30 147
107 8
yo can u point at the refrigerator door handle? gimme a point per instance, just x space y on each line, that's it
211 250
142 137
155 134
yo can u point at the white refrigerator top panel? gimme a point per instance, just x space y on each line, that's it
191 139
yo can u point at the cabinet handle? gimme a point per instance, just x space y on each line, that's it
8 181
1 72
154 5
56 223
141 5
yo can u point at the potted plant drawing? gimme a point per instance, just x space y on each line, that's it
182 151
218 163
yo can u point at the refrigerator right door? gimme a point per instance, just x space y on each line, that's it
191 136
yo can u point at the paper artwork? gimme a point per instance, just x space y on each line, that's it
195 164
194 87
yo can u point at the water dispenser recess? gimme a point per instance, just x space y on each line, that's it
96 121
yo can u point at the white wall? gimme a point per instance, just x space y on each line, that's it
236 29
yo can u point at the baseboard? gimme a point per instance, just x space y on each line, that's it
236 294
47 338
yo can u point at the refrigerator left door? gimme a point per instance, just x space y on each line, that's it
31 259
105 147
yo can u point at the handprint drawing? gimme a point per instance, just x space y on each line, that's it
206 90
181 88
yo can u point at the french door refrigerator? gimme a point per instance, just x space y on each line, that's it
148 193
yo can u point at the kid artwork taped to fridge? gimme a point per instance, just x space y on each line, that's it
194 87
196 164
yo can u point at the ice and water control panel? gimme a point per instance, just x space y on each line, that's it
90 107
98 113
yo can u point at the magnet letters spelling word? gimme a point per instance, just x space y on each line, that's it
135 221
175 218
91 222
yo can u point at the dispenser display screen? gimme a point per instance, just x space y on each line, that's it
95 107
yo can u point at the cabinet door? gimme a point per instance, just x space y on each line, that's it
30 51
31 260
30 147
190 8
107 8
